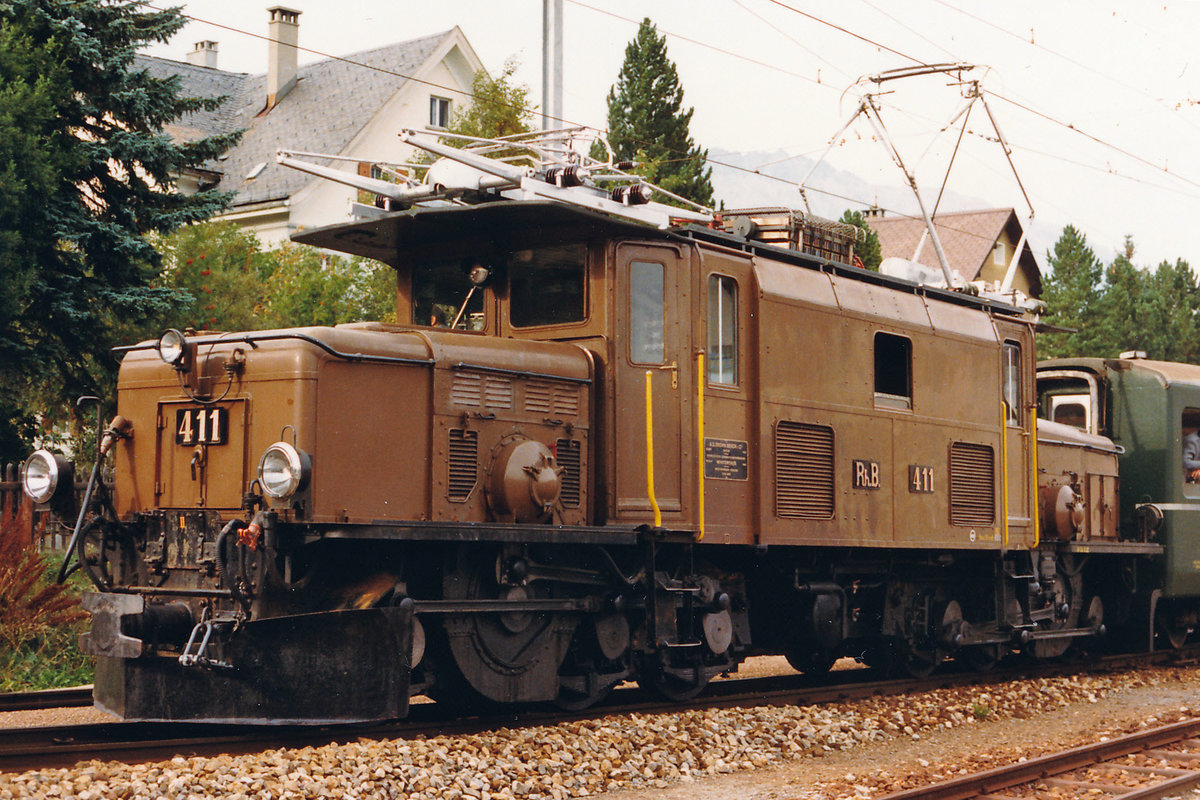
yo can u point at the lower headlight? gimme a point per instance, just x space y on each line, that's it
42 473
283 470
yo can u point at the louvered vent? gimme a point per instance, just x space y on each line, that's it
498 392
464 459
538 397
566 401
542 397
566 453
467 390
972 484
803 470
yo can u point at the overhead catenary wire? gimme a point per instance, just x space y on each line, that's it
711 160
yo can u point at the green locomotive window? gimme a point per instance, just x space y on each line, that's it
893 371
646 317
1189 429
722 330
1012 383
546 285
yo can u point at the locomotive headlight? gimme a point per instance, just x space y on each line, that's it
43 473
174 349
283 470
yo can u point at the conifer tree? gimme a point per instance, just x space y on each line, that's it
647 123
1072 294
867 247
85 171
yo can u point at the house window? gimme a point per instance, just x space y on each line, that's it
1000 255
722 330
439 112
1012 382
893 371
647 321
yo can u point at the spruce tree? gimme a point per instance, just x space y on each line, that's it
647 123
85 172
867 247
1072 293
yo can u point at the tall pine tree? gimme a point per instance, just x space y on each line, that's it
85 172
1072 292
647 123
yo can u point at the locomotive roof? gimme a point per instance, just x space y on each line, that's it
522 223
1169 372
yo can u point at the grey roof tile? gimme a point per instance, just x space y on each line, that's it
330 103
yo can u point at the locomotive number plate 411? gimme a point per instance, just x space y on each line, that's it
201 426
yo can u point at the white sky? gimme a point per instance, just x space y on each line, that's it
1118 70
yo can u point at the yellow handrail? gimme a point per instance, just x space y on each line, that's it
1034 511
650 454
700 455
1004 469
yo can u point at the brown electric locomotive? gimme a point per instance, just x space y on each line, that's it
607 440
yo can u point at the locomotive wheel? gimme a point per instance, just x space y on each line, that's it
674 688
810 662
1171 632
509 656
1068 584
980 657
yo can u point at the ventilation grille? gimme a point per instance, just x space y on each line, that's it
464 458
475 390
566 454
803 471
972 484
543 397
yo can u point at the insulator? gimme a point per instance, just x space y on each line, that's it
625 166
635 195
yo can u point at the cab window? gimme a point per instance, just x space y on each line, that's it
646 317
438 292
547 285
722 330
1012 383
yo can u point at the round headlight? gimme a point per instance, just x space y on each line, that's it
283 470
39 476
172 348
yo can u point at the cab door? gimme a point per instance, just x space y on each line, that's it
653 312
1017 412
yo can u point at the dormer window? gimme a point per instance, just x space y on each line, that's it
439 112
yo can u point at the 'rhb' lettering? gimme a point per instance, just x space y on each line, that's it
866 474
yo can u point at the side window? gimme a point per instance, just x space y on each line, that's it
1012 383
1190 432
893 371
646 323
722 330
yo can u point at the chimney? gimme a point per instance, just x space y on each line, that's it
283 32
205 54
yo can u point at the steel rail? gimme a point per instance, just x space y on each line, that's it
1045 767
46 698
139 742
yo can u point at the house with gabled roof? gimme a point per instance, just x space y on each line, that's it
351 106
987 246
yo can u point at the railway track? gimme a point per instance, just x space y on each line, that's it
1149 764
46 698
138 742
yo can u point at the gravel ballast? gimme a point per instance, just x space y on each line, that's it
638 753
